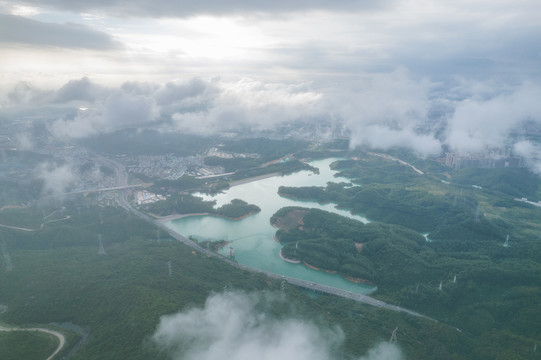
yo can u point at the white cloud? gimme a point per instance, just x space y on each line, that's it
22 10
383 138
389 110
480 124
25 93
24 142
531 152
82 89
184 8
253 105
56 179
383 351
380 111
234 326
21 30
119 110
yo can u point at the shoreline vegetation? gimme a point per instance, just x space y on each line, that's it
189 205
286 259
173 217
306 238
254 178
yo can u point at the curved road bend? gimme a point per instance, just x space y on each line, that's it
60 336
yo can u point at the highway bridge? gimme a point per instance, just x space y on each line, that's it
112 188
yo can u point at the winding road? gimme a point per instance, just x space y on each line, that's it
40 227
60 336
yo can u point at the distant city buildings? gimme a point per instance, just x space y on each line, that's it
500 158
169 167
230 155
144 197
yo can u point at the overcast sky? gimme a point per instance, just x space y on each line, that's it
384 68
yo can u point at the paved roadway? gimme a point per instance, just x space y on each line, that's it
108 189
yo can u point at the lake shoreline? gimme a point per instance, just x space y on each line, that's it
254 178
288 260
173 217
255 238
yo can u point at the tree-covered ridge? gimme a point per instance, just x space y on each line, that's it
515 182
190 204
236 209
268 149
463 275
28 345
392 204
351 248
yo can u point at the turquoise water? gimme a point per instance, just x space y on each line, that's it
252 237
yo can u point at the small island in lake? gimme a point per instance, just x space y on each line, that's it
187 204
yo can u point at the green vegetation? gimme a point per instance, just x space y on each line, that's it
146 142
18 192
189 183
515 182
495 295
390 255
118 297
237 209
31 218
57 275
189 204
268 149
233 164
28 345
284 168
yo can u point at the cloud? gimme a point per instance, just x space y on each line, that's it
184 8
251 105
383 351
186 93
531 152
21 30
82 89
24 142
481 124
383 138
119 110
388 110
56 179
25 93
380 111
235 326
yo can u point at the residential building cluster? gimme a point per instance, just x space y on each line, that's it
169 167
144 197
229 155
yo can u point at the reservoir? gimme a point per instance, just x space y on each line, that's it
253 237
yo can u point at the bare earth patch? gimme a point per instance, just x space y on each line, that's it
291 220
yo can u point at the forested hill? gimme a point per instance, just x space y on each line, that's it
360 252
190 204
463 273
